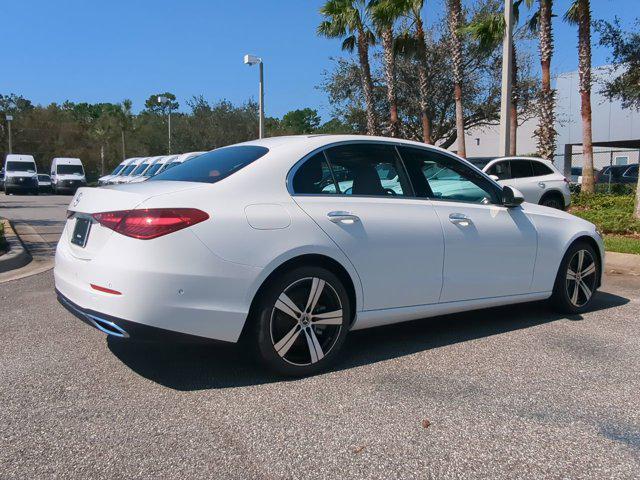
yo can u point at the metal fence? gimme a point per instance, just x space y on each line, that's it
601 159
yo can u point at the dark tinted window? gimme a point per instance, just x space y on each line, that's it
540 169
44 178
213 166
368 169
154 168
521 168
575 170
128 169
440 176
314 177
117 170
500 170
141 168
632 171
69 169
17 166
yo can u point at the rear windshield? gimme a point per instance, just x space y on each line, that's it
215 165
17 166
117 170
141 168
128 169
154 168
69 169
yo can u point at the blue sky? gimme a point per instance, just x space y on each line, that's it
110 50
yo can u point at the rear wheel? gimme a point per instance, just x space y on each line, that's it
577 279
552 200
302 321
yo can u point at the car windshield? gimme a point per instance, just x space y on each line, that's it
141 168
70 170
215 165
117 170
171 165
19 166
43 178
152 170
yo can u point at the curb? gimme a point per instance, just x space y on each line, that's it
17 256
622 264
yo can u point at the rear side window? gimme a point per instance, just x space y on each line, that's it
314 177
540 169
500 170
368 169
213 166
521 169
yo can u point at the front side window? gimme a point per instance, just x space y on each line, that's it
213 166
439 176
368 169
521 168
500 170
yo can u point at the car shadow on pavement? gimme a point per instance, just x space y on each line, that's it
207 366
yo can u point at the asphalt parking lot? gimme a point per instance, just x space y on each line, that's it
512 392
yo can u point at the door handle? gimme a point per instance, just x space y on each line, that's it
460 219
541 184
339 216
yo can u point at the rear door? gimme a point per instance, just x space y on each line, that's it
359 195
490 250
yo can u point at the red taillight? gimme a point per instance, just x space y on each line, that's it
149 223
105 289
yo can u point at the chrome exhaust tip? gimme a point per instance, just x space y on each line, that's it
105 326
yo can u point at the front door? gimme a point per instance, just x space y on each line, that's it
490 250
363 204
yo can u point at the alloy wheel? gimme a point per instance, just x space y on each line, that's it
581 278
306 321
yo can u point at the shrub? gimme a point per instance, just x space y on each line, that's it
610 213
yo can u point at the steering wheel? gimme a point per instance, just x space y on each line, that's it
390 191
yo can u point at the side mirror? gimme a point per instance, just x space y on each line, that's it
511 197
494 177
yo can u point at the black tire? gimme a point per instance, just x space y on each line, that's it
305 347
553 200
574 294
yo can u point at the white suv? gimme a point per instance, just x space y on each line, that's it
539 180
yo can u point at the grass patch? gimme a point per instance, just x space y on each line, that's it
612 214
622 244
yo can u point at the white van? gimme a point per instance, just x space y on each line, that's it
20 174
67 175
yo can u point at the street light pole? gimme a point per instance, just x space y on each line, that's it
253 60
9 119
507 65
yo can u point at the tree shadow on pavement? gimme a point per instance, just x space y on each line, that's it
206 366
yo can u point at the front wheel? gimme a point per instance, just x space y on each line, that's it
302 321
577 279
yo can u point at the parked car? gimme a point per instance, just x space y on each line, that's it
125 175
2 179
617 174
539 180
104 180
154 168
245 241
20 174
67 175
139 171
44 182
180 159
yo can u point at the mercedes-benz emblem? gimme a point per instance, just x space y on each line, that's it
76 200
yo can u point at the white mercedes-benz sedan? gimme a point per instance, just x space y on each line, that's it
290 243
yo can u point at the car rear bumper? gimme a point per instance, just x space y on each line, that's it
169 284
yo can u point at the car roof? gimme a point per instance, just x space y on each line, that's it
67 161
19 157
187 156
516 157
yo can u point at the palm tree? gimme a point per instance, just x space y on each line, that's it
415 44
124 119
488 30
546 133
385 13
455 24
351 19
579 14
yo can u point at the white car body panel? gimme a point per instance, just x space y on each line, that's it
106 179
404 257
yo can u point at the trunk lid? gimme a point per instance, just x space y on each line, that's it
88 201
